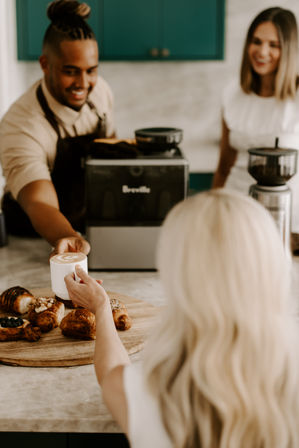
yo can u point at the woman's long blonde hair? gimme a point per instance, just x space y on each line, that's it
286 80
223 363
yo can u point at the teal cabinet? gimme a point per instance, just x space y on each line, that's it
32 23
199 182
193 29
136 29
131 29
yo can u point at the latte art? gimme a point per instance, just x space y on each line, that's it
60 266
68 257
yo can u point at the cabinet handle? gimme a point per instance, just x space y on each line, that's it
154 52
165 52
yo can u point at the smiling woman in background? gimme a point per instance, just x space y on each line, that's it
262 108
221 369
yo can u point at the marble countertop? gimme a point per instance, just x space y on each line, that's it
63 399
58 399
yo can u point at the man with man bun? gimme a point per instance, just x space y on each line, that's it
44 134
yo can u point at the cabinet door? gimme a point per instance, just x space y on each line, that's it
32 22
136 29
192 29
131 29
163 29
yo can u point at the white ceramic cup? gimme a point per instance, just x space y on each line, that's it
60 266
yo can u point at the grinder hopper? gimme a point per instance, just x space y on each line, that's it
272 168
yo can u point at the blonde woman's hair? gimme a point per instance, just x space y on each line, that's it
223 363
286 80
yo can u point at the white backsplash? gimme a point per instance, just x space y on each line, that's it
180 94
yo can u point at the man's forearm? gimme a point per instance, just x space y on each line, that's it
49 222
219 180
39 200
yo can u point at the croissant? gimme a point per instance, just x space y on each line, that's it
121 318
14 328
46 313
79 323
16 300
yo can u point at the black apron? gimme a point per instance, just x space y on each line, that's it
67 175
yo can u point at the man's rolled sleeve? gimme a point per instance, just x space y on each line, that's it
23 163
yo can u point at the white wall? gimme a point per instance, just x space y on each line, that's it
181 94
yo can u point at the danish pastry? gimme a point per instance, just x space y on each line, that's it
121 318
16 300
79 323
14 328
46 313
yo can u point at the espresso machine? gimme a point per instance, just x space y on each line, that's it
130 187
272 168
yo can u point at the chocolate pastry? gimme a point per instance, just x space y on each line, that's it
16 300
79 323
46 313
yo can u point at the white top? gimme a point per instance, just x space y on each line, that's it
28 141
254 122
144 419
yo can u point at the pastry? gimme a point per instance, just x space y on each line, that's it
120 315
79 323
46 313
14 328
68 303
16 300
32 333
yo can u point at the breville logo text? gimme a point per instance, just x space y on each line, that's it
142 189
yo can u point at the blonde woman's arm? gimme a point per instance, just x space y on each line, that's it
227 159
110 356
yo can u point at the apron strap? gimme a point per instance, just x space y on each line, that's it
102 120
52 119
50 116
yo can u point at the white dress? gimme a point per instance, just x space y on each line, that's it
255 122
144 420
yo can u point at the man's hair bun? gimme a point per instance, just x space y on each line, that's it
68 22
62 10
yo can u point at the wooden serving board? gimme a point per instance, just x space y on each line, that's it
56 350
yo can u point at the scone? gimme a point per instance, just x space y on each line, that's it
79 323
46 313
121 318
16 300
15 328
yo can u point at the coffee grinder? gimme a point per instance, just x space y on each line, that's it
272 168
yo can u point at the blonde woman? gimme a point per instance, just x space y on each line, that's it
221 369
261 109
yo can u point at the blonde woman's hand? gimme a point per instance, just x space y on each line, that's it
88 292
